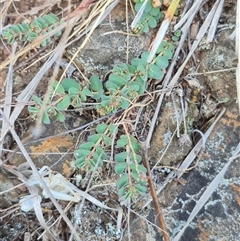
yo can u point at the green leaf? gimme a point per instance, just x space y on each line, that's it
50 18
31 36
136 62
60 116
101 128
138 168
122 141
97 95
64 103
162 62
142 85
142 72
11 39
16 28
152 23
81 153
57 34
121 157
124 103
95 83
140 189
37 100
68 83
45 118
133 86
105 103
138 6
81 162
58 87
35 26
148 7
87 92
44 43
86 146
107 140
83 97
144 55
135 157
131 69
122 181
113 129
178 33
44 24
167 53
145 27
101 152
154 11
94 138
122 191
120 167
118 80
33 109
111 86
134 143
140 179
24 27
72 91
154 72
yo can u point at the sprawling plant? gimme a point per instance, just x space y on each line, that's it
124 85
29 32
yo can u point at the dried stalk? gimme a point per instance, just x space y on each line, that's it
153 193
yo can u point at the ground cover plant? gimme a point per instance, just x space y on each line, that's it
120 103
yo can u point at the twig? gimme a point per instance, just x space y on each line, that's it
153 192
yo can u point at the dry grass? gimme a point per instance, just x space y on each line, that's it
84 20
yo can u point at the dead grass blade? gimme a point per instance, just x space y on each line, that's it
138 15
214 24
39 178
199 37
238 52
201 144
190 13
8 97
207 193
162 30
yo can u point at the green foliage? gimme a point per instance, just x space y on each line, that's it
126 82
176 35
29 32
90 155
150 17
133 175
124 85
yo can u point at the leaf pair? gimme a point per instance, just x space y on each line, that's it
132 182
29 32
90 155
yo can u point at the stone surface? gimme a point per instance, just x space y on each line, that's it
109 44
57 151
219 218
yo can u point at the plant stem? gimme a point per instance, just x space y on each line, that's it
153 192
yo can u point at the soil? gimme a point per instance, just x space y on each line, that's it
216 89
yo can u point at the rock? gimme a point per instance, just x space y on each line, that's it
55 152
108 45
219 218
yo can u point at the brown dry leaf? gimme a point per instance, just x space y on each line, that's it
156 3
166 3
